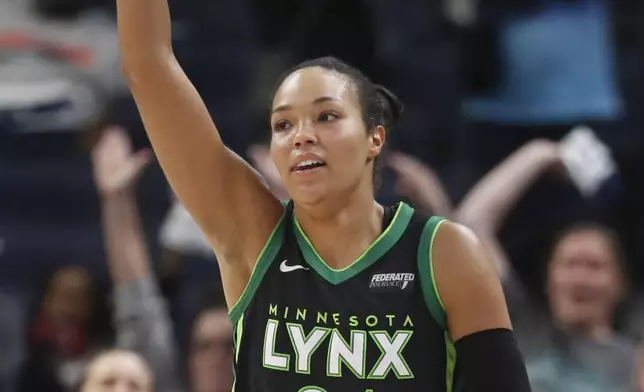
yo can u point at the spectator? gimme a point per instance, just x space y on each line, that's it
577 349
117 371
420 184
64 333
142 320
211 350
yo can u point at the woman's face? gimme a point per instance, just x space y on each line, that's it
584 280
118 371
320 144
68 298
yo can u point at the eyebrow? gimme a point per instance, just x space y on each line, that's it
316 101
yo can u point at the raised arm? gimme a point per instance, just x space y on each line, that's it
420 184
141 318
225 196
485 207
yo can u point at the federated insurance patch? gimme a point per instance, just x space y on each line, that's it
400 281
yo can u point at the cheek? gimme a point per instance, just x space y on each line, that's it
348 144
558 288
612 286
280 151
559 278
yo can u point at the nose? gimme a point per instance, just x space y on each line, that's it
304 135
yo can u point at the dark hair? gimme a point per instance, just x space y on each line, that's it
380 107
99 326
611 236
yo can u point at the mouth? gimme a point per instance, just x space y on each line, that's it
307 166
582 295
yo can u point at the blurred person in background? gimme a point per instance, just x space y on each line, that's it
211 347
574 347
142 319
420 184
117 371
67 328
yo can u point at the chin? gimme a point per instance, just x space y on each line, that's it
310 194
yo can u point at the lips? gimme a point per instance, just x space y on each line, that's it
307 162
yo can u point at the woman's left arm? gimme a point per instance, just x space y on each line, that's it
477 317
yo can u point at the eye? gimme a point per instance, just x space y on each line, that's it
108 382
327 116
281 125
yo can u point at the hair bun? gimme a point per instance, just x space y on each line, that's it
393 106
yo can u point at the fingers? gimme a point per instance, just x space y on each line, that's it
143 158
258 154
403 163
114 140
114 134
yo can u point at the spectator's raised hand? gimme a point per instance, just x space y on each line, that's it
419 184
116 166
260 157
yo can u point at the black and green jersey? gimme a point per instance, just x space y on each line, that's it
377 325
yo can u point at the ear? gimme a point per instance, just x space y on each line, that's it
376 142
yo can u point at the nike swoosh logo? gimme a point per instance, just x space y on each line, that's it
290 268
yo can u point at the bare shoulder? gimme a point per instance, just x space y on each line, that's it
467 282
459 253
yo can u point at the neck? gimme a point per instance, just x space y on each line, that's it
342 229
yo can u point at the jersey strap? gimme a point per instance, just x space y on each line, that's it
426 271
264 260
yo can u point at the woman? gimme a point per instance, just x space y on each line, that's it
117 371
322 290
67 326
574 347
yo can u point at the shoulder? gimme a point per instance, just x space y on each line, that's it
456 246
460 258
467 281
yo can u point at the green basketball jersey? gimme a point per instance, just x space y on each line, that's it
377 325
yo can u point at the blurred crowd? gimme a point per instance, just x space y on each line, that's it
522 121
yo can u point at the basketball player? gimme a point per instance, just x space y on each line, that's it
330 291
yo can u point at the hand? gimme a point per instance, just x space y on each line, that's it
116 167
260 157
417 182
588 160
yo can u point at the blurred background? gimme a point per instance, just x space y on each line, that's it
492 90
